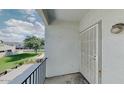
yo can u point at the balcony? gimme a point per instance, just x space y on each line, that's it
66 60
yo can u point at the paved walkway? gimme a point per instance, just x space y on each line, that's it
14 73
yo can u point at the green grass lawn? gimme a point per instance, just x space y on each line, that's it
14 60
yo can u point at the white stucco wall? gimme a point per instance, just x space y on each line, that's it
112 44
62 48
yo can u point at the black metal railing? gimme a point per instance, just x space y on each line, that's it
34 75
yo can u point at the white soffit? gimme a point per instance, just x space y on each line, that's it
70 14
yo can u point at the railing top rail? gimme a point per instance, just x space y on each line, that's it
22 77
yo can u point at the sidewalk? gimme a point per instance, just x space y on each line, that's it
13 74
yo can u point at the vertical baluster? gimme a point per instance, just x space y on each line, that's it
26 81
30 79
41 74
36 77
33 77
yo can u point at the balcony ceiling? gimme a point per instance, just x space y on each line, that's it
49 15
70 14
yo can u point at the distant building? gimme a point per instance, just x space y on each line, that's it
18 45
5 49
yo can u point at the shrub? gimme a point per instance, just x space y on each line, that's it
20 63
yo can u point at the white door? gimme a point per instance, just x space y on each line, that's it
89 54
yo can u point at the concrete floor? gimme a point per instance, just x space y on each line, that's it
75 78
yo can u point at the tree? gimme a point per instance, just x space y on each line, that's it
33 42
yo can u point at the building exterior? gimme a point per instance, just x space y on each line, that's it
5 49
68 46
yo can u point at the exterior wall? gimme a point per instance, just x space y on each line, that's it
112 44
5 48
62 48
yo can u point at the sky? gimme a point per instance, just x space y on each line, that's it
16 25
